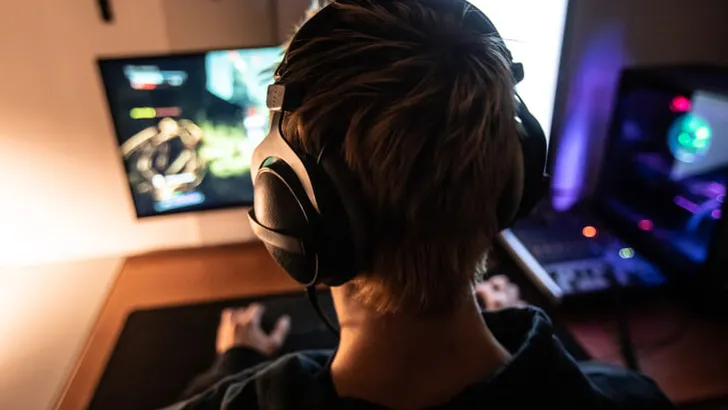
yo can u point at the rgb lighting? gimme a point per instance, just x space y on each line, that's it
589 231
645 225
626 253
680 104
689 138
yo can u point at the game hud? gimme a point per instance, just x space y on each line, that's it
187 125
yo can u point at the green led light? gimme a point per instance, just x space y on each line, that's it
626 253
684 139
689 138
702 133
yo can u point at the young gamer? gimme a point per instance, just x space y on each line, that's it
398 150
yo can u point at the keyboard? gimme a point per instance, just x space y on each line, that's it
571 255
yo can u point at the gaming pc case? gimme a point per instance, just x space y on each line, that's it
656 214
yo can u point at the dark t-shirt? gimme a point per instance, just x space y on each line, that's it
540 375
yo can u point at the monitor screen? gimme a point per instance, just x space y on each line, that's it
533 31
187 125
664 178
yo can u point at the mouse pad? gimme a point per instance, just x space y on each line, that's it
159 351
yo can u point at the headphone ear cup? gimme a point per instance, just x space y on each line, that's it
510 200
340 259
528 182
280 205
534 149
336 258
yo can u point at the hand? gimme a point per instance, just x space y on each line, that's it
241 328
498 293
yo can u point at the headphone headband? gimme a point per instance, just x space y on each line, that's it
281 99
471 17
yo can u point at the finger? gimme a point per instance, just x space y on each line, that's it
498 301
256 314
483 291
280 331
245 315
227 315
492 298
513 292
240 315
498 281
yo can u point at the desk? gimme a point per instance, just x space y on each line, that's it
169 278
46 314
686 355
694 367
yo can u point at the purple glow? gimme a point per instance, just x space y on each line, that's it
716 214
569 167
686 204
716 189
588 108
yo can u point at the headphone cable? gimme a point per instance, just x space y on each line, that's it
312 297
624 337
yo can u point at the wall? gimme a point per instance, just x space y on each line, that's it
606 36
64 195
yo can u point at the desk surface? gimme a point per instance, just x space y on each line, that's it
690 366
46 315
686 355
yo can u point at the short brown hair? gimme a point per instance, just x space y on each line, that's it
425 113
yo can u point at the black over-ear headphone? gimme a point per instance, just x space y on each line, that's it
305 210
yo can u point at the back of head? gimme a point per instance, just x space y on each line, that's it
420 108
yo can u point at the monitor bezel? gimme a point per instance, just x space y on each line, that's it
563 82
103 60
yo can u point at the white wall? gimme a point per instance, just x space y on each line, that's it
63 193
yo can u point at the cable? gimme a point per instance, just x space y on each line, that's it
646 348
624 336
312 297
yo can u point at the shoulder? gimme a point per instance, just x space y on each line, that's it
269 385
625 389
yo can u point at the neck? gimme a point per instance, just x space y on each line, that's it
411 362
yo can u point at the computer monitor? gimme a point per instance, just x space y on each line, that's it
533 30
187 124
663 183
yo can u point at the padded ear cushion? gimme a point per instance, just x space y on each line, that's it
280 204
535 154
337 257
510 200
528 183
347 220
